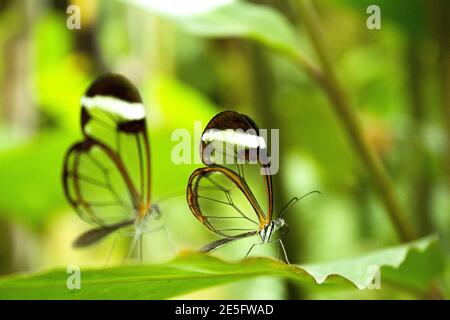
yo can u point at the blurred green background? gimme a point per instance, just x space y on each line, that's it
397 78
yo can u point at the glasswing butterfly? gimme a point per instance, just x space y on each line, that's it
213 190
106 176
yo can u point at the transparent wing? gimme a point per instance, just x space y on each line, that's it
93 185
220 200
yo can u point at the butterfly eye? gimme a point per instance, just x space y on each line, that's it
155 212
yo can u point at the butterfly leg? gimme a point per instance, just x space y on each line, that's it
108 258
136 238
284 251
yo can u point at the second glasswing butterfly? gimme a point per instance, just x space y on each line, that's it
240 134
106 175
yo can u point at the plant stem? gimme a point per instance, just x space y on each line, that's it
330 83
443 39
421 175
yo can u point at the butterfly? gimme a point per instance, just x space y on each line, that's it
106 175
209 189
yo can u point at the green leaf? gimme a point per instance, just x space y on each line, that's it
421 260
220 19
413 265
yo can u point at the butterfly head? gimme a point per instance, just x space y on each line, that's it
155 212
273 230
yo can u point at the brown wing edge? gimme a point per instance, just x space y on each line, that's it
86 214
192 191
83 147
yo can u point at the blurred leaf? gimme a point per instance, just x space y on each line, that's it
31 179
113 33
225 19
51 42
306 111
193 271
181 105
61 74
173 106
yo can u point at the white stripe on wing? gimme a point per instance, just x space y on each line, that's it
124 109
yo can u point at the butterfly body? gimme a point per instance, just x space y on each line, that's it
267 232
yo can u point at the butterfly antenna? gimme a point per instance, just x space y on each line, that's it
295 200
